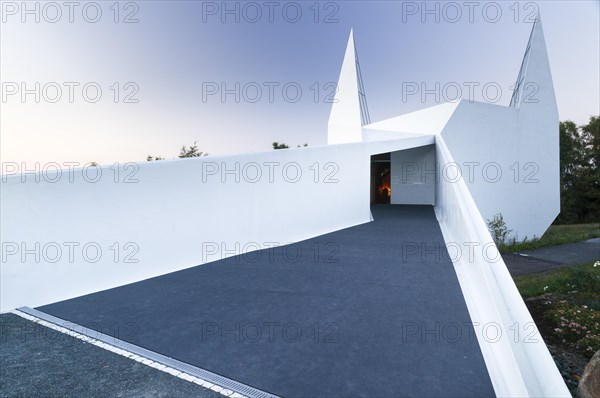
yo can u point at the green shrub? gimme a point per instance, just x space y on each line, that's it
498 229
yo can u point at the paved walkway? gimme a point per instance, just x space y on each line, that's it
343 314
552 257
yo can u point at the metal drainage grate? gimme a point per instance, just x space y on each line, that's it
200 373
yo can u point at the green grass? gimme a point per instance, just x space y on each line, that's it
585 279
556 235
570 306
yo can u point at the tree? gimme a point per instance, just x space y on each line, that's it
191 152
151 158
184 152
277 145
571 152
591 138
580 171
589 176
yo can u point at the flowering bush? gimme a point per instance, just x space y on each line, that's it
572 301
578 324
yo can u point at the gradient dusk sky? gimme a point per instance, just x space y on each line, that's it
172 54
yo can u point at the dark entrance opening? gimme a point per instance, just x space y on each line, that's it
381 189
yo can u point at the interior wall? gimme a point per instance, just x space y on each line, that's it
413 176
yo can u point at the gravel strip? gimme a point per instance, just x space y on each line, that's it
36 361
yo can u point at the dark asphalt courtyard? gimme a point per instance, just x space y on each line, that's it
353 313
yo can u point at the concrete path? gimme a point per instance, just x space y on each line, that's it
552 257
344 314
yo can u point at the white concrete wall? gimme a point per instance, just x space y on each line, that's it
171 215
516 356
413 175
513 152
510 166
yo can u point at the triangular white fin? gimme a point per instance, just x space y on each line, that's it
349 110
534 82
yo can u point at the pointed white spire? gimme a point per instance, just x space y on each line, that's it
349 109
534 83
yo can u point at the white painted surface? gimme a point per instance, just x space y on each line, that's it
521 143
413 176
509 156
371 135
177 214
425 121
518 361
344 120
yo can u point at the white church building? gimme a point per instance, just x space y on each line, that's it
469 160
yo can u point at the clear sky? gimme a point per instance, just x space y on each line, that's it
173 61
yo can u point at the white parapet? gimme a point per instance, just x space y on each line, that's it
516 356
72 233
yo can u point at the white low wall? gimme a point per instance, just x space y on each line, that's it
175 216
518 360
65 235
